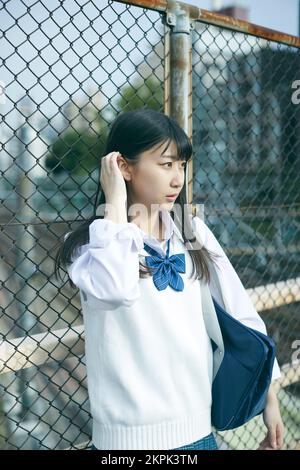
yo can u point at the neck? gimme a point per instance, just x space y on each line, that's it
150 222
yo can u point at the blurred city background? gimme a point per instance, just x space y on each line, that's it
67 70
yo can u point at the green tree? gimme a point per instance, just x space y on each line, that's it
148 92
75 151
78 151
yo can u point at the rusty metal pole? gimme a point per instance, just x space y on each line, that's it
178 86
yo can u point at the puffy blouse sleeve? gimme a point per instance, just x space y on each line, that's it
227 288
107 268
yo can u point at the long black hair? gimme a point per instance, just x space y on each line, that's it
132 133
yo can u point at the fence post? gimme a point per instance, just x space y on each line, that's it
178 81
25 248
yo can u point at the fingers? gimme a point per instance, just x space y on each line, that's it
265 447
267 443
111 156
271 436
111 159
279 435
275 436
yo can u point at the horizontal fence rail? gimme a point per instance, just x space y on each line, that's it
67 70
20 353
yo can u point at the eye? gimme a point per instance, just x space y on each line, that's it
170 163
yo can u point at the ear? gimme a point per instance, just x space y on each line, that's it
125 168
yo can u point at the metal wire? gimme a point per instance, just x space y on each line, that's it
68 68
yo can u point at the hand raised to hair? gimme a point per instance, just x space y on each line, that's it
111 178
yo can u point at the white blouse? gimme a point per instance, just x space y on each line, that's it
148 355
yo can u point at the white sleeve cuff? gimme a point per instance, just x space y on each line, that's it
276 374
102 231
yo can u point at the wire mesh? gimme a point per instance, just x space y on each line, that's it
68 68
246 171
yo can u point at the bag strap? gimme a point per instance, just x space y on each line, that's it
212 325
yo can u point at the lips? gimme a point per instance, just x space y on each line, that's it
171 195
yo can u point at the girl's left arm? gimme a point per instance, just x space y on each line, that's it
228 290
273 422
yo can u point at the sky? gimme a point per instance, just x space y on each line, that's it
39 62
281 15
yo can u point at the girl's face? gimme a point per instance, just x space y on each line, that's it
156 176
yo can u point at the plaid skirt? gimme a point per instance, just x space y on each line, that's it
206 443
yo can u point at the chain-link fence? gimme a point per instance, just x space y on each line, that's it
68 68
246 170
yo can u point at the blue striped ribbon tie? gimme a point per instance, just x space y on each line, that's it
166 269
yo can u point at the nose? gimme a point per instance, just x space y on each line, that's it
177 178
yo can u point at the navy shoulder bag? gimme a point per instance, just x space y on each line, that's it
240 387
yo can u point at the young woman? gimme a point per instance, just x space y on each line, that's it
138 265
